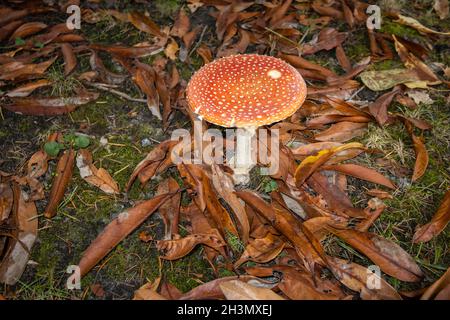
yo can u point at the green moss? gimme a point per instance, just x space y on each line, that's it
390 27
188 272
4 134
167 8
235 243
387 65
358 47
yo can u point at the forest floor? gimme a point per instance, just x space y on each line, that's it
131 132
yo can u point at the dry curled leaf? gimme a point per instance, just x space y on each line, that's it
156 161
176 249
28 29
413 23
360 279
170 210
149 291
261 250
172 49
16 257
97 177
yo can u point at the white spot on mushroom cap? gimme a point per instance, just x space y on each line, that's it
274 74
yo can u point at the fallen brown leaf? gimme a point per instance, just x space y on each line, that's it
126 222
361 173
49 106
390 257
176 249
16 257
434 290
238 290
97 177
64 170
26 89
225 187
310 164
70 60
437 224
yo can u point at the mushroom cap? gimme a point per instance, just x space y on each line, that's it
247 90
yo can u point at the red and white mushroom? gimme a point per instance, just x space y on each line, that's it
245 91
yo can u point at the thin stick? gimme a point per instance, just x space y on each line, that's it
283 37
116 92
198 42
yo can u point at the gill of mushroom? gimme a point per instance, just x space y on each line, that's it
245 91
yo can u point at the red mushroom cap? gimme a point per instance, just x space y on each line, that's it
246 90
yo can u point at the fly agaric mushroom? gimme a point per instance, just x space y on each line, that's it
245 91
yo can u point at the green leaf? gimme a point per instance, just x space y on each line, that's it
39 44
69 138
270 186
52 148
82 141
20 41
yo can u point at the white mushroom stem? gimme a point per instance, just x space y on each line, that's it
245 158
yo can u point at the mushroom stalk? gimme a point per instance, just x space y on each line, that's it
244 158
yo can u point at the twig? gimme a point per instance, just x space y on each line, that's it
116 92
198 42
283 37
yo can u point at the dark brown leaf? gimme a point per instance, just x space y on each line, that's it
64 171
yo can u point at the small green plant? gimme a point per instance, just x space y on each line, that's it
268 185
52 148
235 243
78 141
19 41
39 44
